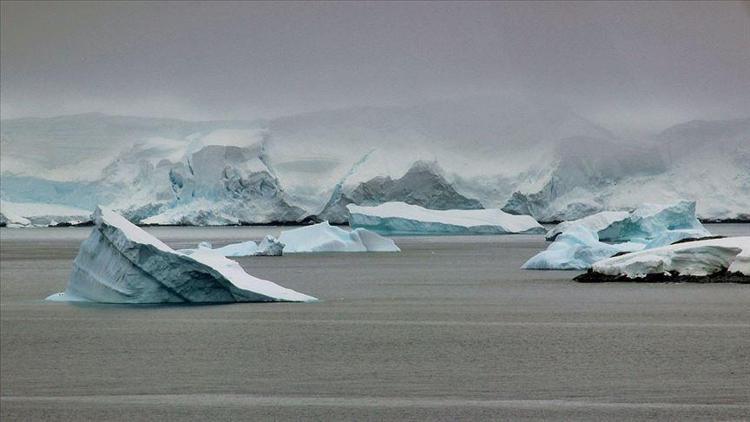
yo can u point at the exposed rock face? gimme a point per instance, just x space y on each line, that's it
528 157
422 185
668 277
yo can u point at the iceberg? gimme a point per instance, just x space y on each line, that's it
650 221
121 263
399 218
576 249
594 222
725 259
269 246
323 237
579 243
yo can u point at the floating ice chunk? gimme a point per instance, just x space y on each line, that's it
323 237
650 221
236 249
579 243
698 258
269 246
121 263
594 222
576 249
399 218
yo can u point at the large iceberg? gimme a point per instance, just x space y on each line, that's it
726 259
323 237
579 243
121 263
399 218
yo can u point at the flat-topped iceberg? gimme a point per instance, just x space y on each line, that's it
726 259
579 243
16 214
269 246
399 218
323 237
121 263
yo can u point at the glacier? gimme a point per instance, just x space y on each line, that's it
121 263
725 259
399 218
704 161
323 237
526 157
580 243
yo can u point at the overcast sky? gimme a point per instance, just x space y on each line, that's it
626 65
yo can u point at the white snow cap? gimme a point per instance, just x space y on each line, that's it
699 258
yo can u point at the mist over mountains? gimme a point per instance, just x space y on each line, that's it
526 158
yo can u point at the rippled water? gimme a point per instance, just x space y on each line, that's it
450 328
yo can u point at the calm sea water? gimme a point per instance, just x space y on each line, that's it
448 329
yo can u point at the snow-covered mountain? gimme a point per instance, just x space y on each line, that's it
533 159
423 185
703 161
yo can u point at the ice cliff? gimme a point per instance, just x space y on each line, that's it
524 156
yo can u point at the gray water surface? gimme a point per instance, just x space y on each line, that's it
448 329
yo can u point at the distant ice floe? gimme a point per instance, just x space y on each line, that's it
579 243
21 214
399 218
726 259
321 237
121 263
269 246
